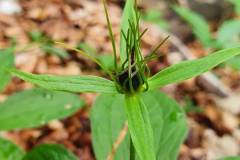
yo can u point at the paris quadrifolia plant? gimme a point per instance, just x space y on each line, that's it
156 124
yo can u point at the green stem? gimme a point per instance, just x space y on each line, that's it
132 150
111 34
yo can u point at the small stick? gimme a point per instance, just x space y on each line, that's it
118 141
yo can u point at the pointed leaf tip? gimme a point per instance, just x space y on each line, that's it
188 69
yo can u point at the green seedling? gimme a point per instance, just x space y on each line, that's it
105 59
236 4
199 26
156 125
46 44
227 35
7 61
155 16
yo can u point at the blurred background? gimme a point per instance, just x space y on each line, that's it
196 28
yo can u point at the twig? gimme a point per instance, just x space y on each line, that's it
118 141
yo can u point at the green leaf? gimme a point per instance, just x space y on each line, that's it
230 158
229 34
50 152
87 48
35 107
236 4
152 16
128 14
47 45
69 83
7 61
168 122
36 36
199 25
107 61
188 69
140 127
234 63
155 16
49 48
9 151
107 120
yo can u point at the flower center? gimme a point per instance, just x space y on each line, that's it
131 79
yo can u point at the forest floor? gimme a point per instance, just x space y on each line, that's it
213 120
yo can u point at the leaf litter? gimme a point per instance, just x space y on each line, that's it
83 21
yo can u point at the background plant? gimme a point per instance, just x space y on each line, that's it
155 16
227 34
